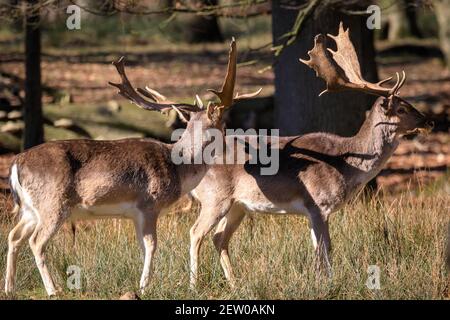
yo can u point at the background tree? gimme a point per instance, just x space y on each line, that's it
442 10
298 109
411 17
33 118
296 87
202 28
401 16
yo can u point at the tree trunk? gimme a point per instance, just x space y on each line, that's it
298 108
202 28
411 17
34 130
165 3
396 19
442 10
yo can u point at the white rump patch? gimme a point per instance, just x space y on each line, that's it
15 184
26 204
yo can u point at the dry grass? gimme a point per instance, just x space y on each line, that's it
403 235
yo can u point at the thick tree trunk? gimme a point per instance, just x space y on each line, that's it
298 108
201 28
34 130
442 10
165 3
411 17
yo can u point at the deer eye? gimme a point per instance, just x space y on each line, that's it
401 110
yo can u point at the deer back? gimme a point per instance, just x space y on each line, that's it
90 172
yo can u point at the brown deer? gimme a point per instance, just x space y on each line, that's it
318 172
130 178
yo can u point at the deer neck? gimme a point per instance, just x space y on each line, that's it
190 146
375 142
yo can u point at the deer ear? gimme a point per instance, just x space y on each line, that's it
210 110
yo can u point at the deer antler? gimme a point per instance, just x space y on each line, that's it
158 103
226 93
341 70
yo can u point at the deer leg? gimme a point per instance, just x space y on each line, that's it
322 243
149 241
208 218
138 227
225 229
18 235
42 233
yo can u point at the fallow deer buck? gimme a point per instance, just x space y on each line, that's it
318 172
130 178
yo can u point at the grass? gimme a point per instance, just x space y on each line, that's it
404 235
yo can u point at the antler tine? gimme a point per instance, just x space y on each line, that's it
341 70
402 82
155 94
126 90
198 101
396 82
146 94
247 95
152 94
384 81
226 93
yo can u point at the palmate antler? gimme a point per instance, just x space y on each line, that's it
225 94
341 70
158 101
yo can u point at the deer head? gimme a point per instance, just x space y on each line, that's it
212 116
341 71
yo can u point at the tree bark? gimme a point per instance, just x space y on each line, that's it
34 130
298 108
442 10
411 17
201 28
396 20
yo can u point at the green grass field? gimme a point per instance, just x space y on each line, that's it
273 258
